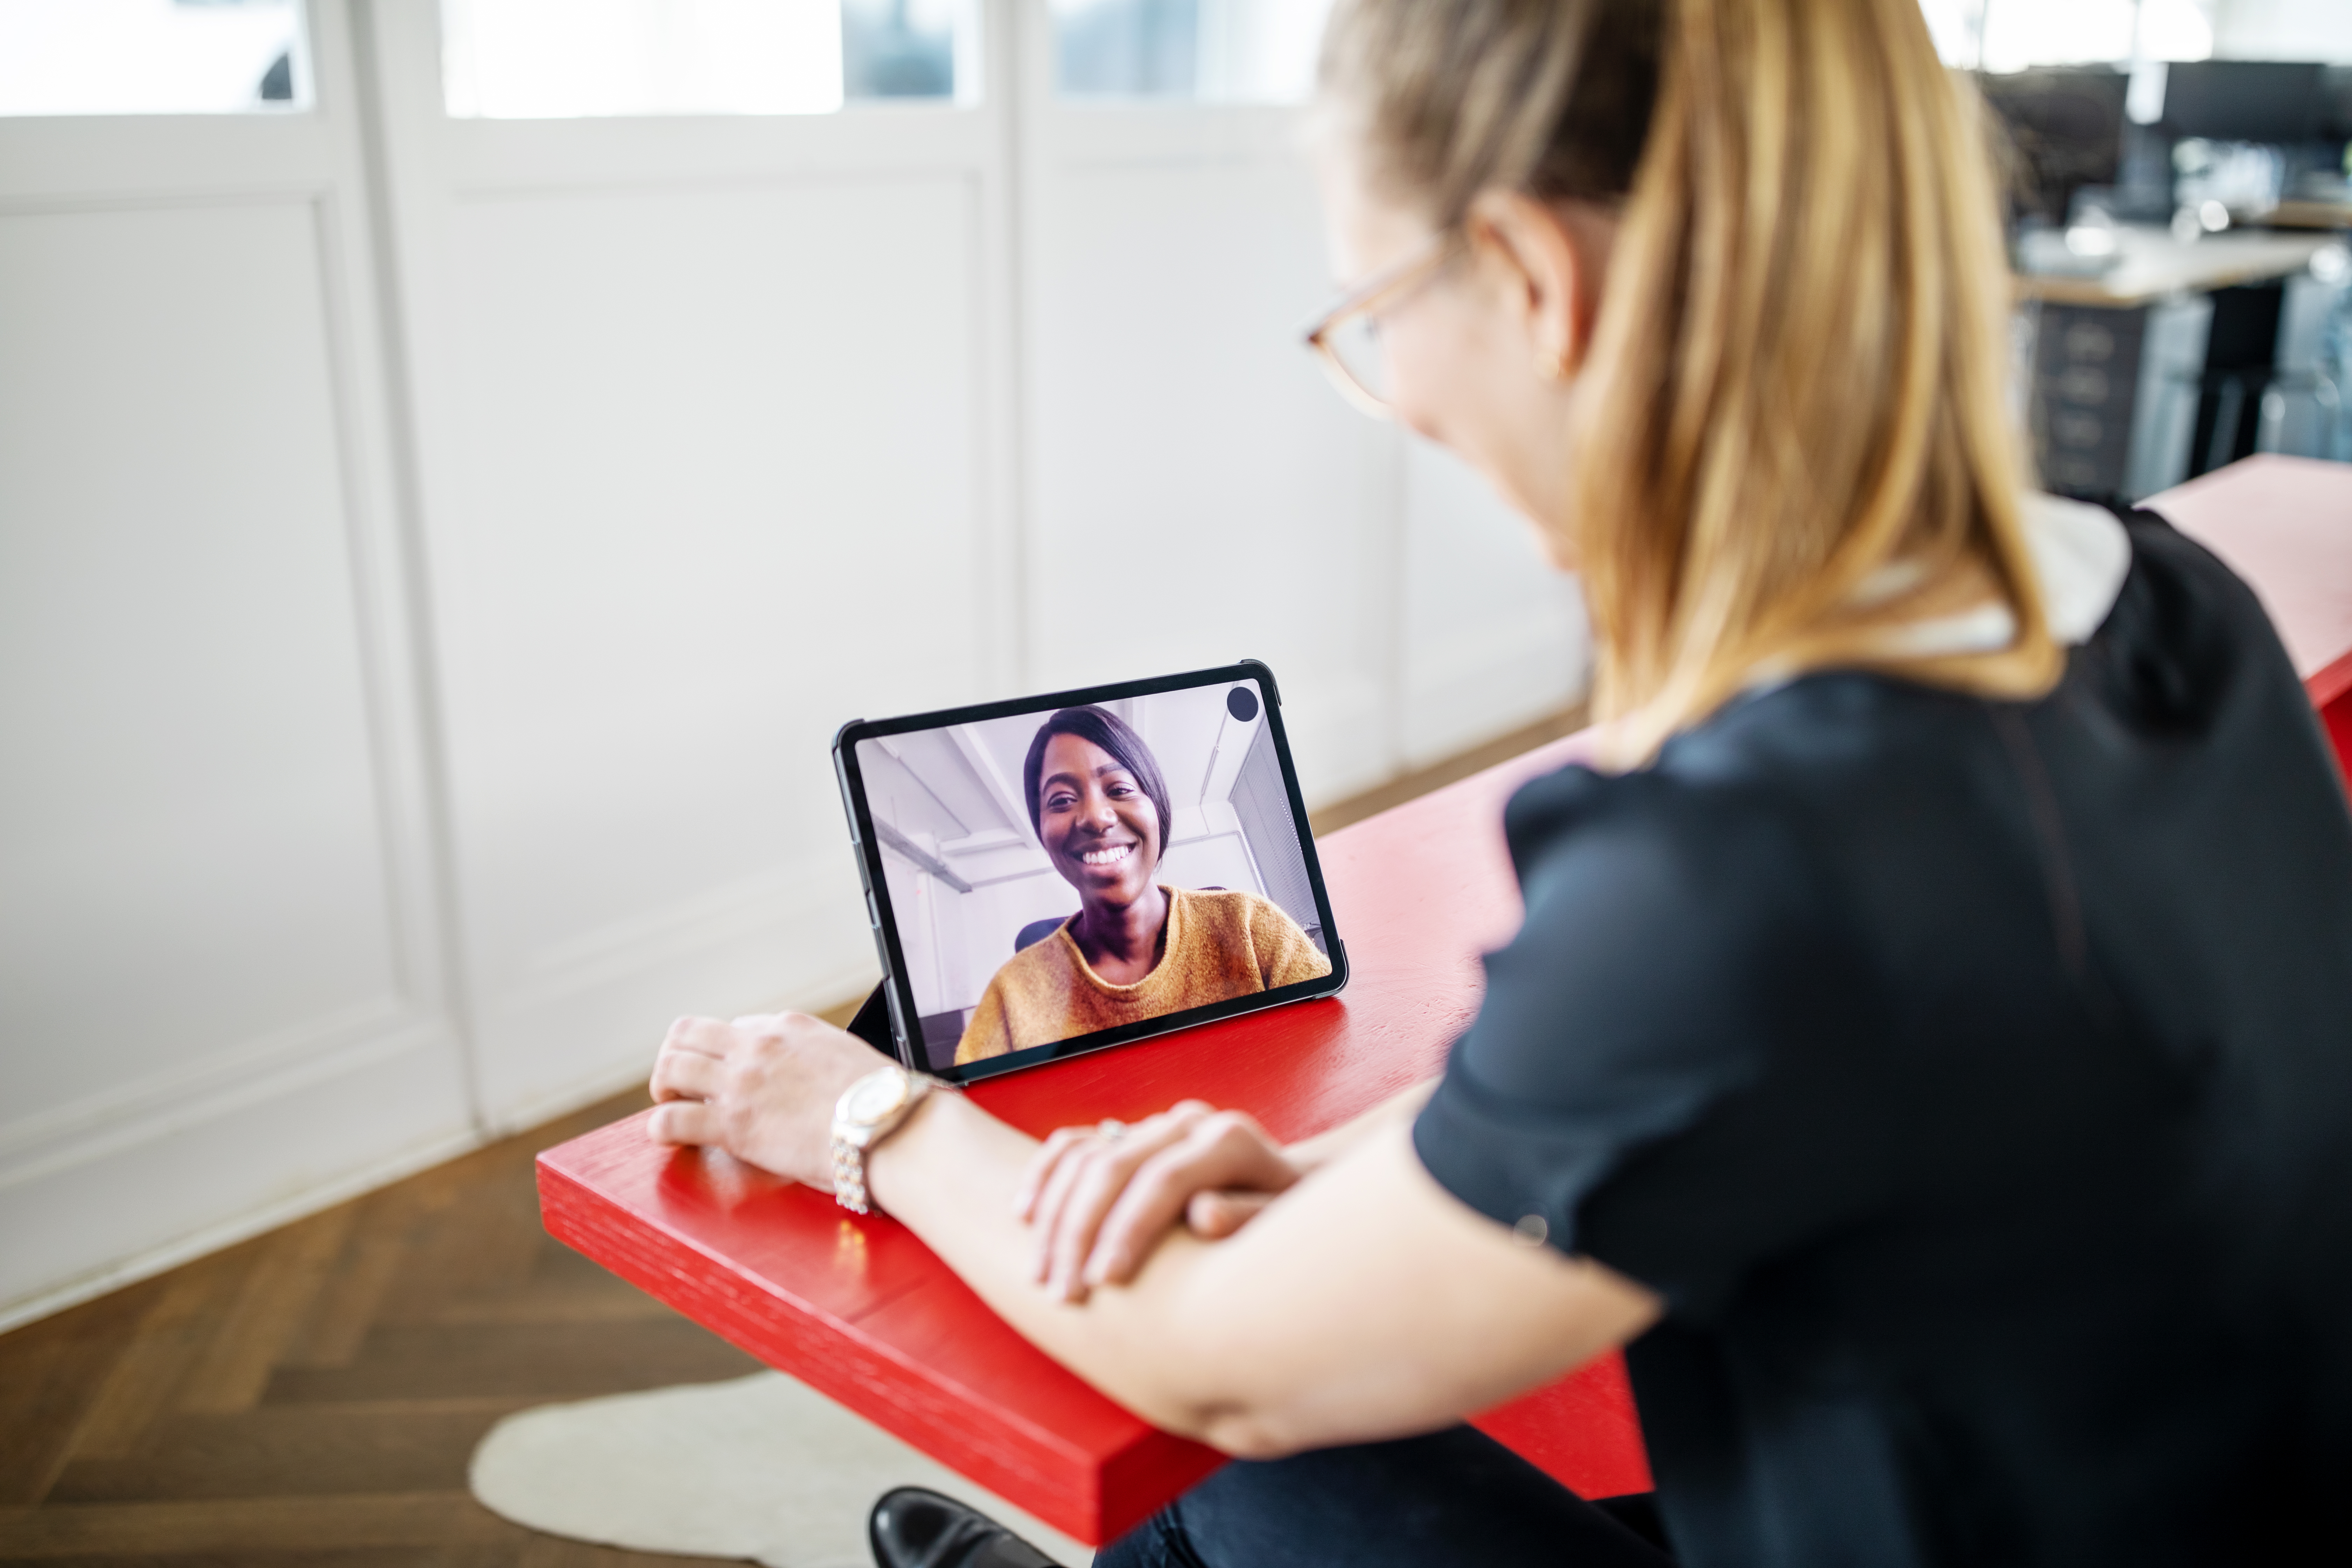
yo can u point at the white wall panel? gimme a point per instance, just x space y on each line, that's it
1198 491
189 781
104 1202
714 490
198 917
1493 637
1200 494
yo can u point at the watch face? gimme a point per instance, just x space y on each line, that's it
877 1096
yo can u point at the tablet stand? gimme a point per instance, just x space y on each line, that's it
872 1023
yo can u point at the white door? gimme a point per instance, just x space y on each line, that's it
708 405
222 993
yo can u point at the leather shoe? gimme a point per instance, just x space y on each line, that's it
915 1528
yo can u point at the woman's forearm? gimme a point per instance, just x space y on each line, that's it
1367 1302
950 1176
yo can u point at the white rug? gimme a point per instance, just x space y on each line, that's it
760 1468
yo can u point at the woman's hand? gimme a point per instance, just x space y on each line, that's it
761 1088
1098 1198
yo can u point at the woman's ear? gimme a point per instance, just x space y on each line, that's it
1546 269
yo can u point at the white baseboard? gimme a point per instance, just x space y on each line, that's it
157 1104
155 1193
120 1186
41 1300
146 1265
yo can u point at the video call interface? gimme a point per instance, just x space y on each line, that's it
1055 873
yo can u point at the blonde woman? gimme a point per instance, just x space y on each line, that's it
1926 1049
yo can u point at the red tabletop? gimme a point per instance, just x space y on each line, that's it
864 1312
2284 524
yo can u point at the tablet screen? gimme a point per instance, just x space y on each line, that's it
1086 868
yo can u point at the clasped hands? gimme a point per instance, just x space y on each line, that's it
1097 1199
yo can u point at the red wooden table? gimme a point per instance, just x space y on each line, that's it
2284 524
864 1312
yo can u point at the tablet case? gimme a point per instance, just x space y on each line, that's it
876 1021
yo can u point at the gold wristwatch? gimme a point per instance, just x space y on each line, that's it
869 1112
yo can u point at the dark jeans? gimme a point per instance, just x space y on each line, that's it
1456 1496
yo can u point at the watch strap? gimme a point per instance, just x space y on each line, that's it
853 1140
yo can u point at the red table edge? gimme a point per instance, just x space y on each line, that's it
1583 1423
2331 697
829 1355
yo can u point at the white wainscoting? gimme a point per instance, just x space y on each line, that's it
1201 495
222 991
1493 637
704 410
435 556
687 539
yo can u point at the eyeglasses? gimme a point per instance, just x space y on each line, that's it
1347 338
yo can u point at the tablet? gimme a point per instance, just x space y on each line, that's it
1061 873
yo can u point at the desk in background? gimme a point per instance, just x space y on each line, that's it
2157 369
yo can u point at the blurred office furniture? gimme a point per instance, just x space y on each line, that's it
2065 129
2333 369
2297 113
2246 100
2241 367
2170 363
2179 325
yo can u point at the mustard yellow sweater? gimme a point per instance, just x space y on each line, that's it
1219 945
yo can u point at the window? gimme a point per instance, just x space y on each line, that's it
907 49
2014 35
529 59
1210 51
152 56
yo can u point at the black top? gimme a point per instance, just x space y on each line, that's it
1974 1081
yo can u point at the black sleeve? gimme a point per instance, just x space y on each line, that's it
1679 1065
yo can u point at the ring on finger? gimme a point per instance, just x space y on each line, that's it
1110 1129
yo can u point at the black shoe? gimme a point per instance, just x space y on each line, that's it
913 1528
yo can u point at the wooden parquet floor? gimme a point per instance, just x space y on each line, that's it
309 1399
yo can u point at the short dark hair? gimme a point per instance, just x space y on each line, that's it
1113 734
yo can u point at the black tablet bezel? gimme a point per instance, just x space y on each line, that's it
898 992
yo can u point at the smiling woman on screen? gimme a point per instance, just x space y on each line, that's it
1136 949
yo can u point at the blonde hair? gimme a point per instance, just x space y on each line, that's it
1791 435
